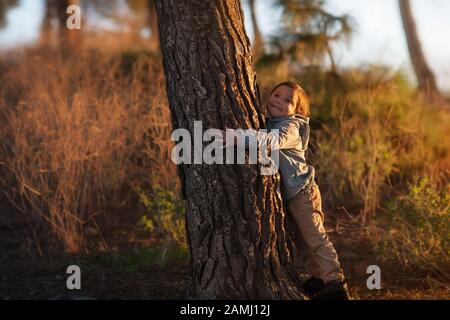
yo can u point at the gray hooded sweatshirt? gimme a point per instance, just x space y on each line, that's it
293 140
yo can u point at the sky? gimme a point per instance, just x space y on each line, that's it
379 37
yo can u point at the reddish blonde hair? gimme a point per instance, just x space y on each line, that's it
302 103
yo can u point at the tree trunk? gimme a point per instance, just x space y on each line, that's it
46 26
68 39
258 44
424 75
5 6
235 221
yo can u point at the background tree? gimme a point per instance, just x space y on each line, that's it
55 18
137 21
308 30
235 220
425 77
258 42
49 22
153 24
143 15
6 5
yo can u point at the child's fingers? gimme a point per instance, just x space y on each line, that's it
223 136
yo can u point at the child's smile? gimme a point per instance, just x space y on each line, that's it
282 102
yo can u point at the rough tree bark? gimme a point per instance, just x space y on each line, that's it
425 77
240 246
258 43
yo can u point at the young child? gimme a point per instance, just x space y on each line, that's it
288 107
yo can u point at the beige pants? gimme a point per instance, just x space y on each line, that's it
317 253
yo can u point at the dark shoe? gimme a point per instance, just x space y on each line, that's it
312 286
333 290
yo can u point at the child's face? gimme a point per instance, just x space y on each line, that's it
282 102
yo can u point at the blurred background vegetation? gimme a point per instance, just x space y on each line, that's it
85 136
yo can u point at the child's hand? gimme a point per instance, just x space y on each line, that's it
233 136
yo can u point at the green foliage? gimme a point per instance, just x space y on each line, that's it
415 230
132 261
137 62
165 215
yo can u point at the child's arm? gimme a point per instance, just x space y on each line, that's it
287 137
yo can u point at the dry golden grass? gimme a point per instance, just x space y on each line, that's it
80 133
